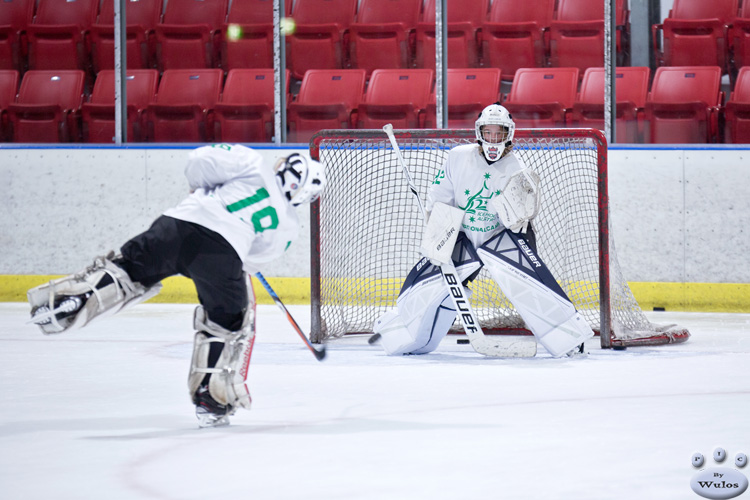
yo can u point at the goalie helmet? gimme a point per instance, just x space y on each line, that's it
494 130
300 179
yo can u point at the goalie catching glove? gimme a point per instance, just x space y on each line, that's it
519 201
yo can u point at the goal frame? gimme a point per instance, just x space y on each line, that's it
607 339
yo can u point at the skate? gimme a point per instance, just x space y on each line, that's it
64 307
209 412
576 351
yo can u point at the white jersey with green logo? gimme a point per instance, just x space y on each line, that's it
468 181
236 195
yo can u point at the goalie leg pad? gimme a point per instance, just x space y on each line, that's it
100 290
424 312
541 302
227 374
533 291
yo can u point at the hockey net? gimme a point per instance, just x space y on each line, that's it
367 227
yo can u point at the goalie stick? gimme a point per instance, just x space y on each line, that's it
481 343
320 354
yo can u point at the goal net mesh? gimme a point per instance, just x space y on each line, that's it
368 228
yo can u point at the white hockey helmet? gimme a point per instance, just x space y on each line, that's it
495 143
300 179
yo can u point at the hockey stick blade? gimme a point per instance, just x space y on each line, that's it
320 353
499 347
496 348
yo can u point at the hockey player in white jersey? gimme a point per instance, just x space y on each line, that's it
492 197
239 215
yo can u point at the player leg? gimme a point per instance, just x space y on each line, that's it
225 327
102 289
112 282
534 292
425 311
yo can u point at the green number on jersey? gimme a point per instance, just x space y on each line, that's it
259 216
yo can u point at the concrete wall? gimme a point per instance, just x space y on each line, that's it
677 214
61 207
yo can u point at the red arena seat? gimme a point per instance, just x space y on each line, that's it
464 21
15 15
632 90
328 98
183 102
142 17
397 96
513 37
694 33
542 97
98 115
245 112
8 91
381 37
577 33
48 106
247 36
737 110
320 38
469 92
57 37
188 37
683 104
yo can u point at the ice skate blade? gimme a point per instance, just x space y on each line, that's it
206 420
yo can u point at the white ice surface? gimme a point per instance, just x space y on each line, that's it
103 413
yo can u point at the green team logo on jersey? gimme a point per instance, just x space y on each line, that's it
439 177
476 206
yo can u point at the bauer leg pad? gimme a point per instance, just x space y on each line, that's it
100 290
425 312
218 388
533 291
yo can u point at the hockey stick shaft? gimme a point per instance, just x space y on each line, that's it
320 354
469 321
468 318
388 128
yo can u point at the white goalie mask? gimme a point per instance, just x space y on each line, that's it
495 140
300 179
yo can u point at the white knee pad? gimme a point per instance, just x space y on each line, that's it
227 383
98 300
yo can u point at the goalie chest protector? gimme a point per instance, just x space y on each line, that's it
469 182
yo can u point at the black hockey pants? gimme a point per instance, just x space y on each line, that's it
172 246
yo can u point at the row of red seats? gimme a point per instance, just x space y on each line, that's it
183 106
368 34
76 34
683 105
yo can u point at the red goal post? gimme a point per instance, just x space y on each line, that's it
366 230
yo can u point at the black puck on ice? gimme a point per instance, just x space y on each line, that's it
619 348
462 341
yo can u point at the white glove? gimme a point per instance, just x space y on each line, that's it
519 201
